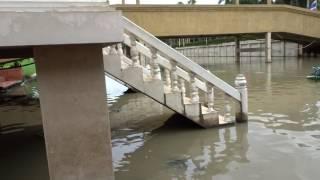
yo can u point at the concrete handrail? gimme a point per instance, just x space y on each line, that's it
182 61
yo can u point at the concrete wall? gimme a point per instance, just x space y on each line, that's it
279 48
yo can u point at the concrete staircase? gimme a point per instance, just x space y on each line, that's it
153 68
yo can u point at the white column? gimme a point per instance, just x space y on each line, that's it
210 96
137 1
237 2
134 53
167 79
74 111
155 68
182 86
268 48
269 2
241 85
174 78
308 4
119 49
194 89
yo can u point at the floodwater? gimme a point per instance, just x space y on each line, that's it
280 141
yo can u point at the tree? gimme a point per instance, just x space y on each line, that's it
246 1
192 2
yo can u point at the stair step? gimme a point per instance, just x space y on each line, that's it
174 101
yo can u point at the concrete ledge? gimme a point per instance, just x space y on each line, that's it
33 24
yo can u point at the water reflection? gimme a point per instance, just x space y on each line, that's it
283 131
137 111
171 153
280 96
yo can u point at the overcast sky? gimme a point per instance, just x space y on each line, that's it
133 1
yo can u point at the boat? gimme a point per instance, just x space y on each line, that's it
315 75
13 73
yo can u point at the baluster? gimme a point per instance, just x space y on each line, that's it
134 52
106 50
167 79
148 65
210 96
120 50
194 89
113 50
174 75
182 87
155 68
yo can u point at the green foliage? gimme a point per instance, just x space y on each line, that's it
192 2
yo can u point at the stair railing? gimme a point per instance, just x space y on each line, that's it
179 73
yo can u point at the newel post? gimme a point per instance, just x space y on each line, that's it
241 86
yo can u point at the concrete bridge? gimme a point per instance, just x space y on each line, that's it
73 52
272 21
199 20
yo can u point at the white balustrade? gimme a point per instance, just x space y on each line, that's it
178 69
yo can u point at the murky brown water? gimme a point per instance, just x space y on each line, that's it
281 140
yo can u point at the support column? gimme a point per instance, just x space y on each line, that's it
237 49
74 111
268 48
308 4
123 1
269 2
300 50
237 2
284 49
137 1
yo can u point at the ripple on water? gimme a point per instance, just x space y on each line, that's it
316 136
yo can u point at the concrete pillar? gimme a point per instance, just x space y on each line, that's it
284 48
269 2
237 2
137 1
268 47
237 49
308 4
241 85
300 50
74 111
123 1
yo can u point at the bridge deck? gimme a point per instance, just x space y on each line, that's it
290 22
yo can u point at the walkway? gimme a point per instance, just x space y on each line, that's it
289 22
